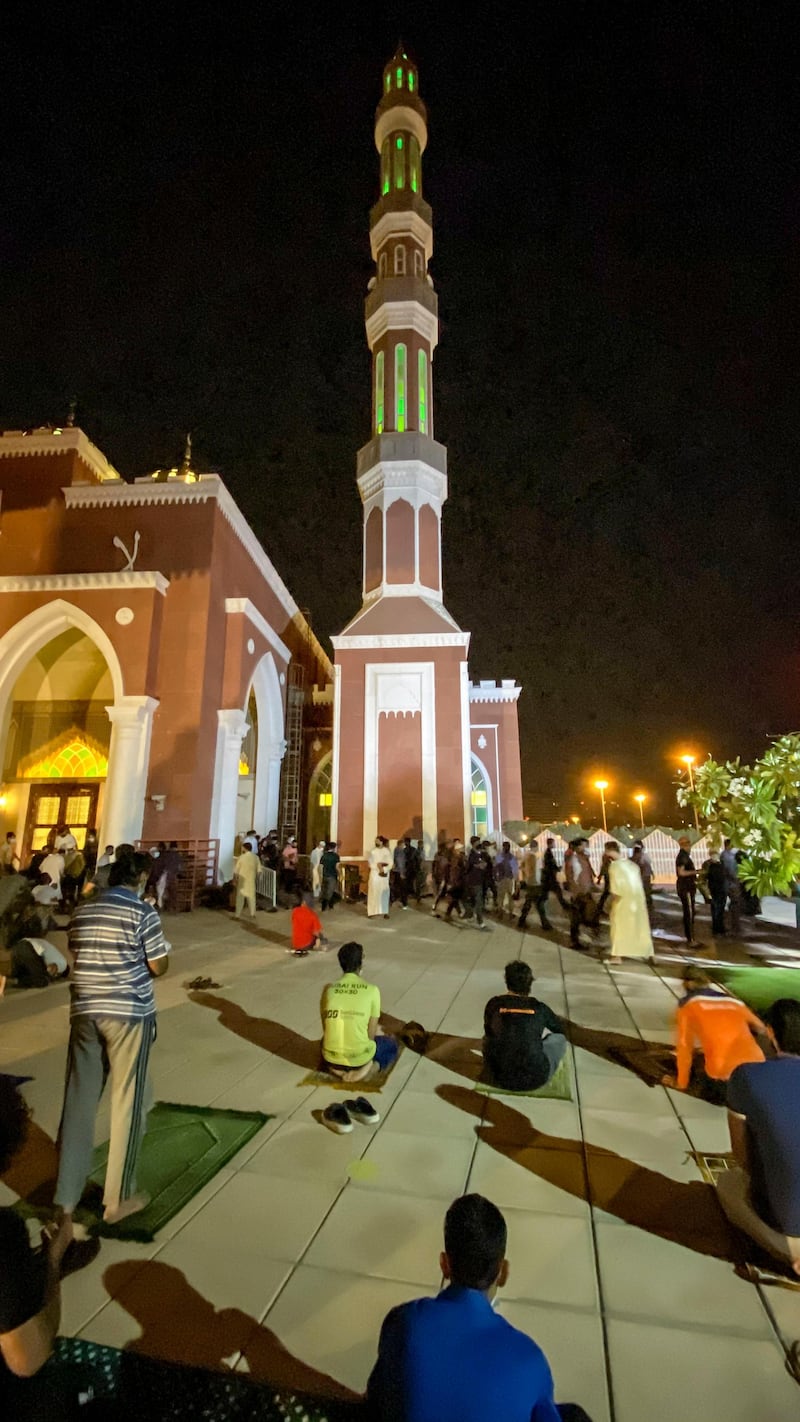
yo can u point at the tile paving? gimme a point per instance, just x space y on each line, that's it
305 1239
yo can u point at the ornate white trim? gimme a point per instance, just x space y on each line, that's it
396 641
401 118
405 223
84 582
322 695
397 478
490 691
208 486
251 612
336 748
14 443
402 316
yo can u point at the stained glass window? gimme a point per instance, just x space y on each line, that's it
413 158
479 800
399 163
325 800
422 379
74 761
78 809
399 77
410 81
379 392
386 165
400 387
388 81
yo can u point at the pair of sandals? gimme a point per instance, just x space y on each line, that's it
339 1117
201 984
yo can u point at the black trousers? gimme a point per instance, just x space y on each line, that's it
534 895
687 897
718 913
552 886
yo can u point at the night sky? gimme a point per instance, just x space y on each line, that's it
184 245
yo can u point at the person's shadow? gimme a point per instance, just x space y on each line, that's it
274 1037
686 1213
33 1172
178 1325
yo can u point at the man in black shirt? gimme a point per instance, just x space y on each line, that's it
30 1292
517 1054
686 885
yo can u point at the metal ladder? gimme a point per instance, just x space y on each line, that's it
292 761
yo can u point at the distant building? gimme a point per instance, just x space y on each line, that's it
156 675
417 748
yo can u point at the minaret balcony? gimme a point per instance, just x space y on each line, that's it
407 288
395 448
400 200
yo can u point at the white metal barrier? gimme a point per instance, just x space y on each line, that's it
266 885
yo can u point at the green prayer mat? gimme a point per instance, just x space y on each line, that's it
138 1386
183 1149
558 1088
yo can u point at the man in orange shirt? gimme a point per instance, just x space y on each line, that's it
722 1026
306 928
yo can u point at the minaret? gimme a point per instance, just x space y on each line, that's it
402 327
401 708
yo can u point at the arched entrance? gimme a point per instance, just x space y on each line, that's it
75 749
481 800
320 801
254 758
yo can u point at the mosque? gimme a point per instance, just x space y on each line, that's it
158 679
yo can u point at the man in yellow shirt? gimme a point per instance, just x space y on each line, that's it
352 1046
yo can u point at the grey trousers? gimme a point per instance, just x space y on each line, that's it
99 1048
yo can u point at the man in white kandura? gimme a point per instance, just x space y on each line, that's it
629 921
380 864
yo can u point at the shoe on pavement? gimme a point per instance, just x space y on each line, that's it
337 1118
363 1111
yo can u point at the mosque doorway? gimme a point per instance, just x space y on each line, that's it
56 740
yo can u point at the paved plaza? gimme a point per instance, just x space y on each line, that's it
286 1263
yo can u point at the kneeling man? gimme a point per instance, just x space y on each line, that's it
518 1054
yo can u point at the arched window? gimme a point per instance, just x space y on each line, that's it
400 388
413 159
399 77
379 392
386 165
383 264
399 260
419 265
399 161
410 81
479 800
388 81
422 382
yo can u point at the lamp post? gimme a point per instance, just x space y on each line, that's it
640 799
688 761
602 786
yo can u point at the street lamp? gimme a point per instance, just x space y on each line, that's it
640 799
688 761
602 786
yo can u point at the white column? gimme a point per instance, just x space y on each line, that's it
128 763
277 750
231 731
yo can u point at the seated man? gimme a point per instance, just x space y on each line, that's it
761 1196
30 1292
722 1026
306 928
518 1054
452 1358
352 1047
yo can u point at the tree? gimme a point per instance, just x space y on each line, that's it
758 808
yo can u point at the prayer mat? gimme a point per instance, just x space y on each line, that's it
138 1386
558 1088
353 1088
184 1148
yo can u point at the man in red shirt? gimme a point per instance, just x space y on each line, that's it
306 928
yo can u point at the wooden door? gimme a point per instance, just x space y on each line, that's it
51 804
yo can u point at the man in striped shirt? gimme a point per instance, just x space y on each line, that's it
118 948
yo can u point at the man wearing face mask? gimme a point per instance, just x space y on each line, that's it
118 948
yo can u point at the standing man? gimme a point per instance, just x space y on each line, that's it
413 864
732 886
245 872
118 948
645 867
716 879
532 888
315 858
329 876
506 874
580 883
8 854
477 864
686 885
399 862
550 883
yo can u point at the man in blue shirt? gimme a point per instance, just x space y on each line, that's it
452 1358
761 1196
